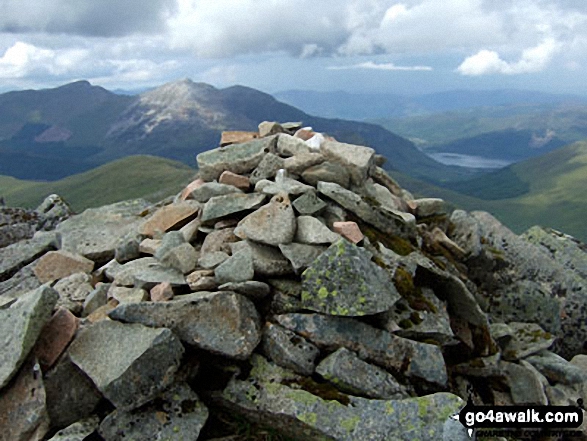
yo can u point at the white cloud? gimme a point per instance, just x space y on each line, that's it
486 62
379 66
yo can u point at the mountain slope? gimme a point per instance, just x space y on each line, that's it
146 177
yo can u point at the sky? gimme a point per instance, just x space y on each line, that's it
403 47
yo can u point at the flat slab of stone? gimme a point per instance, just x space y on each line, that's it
59 264
527 339
239 181
272 224
387 221
23 415
349 230
358 160
209 190
221 206
289 350
176 414
344 281
298 163
129 363
308 204
286 185
236 137
405 357
237 268
20 326
237 158
252 289
327 172
313 232
525 386
16 256
169 217
557 369
224 323
301 255
427 207
78 431
352 375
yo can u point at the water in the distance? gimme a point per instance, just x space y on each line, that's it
469 160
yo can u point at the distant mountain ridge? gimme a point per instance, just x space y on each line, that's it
90 126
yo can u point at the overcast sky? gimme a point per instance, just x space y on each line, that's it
408 46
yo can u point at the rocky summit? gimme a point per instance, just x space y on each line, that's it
293 289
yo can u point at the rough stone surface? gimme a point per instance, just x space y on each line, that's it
176 414
427 207
343 281
289 350
525 387
23 415
59 264
237 268
225 323
556 368
252 289
267 168
169 217
272 224
327 172
236 137
403 356
97 298
129 363
299 163
73 291
288 145
78 431
526 339
286 185
218 240
16 256
186 192
358 160
55 337
349 230
209 190
267 260
221 206
161 292
182 258
212 260
20 326
238 181
301 255
313 232
127 295
237 158
352 375
308 204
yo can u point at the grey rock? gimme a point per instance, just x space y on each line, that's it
96 232
358 160
97 298
221 206
268 128
525 386
16 256
527 339
282 303
267 260
301 415
343 281
23 415
78 431
54 209
129 363
20 325
252 289
212 189
289 350
146 273
301 255
308 204
169 241
127 295
218 240
23 281
212 260
224 323
237 268
290 287
71 395
427 207
288 145
73 291
352 375
556 368
313 232
17 224
267 168
184 417
380 176
237 158
123 275
327 172
182 258
298 163
128 248
288 186
387 221
399 355
382 195
272 224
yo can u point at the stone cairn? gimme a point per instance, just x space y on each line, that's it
295 284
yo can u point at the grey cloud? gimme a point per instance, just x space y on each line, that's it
103 18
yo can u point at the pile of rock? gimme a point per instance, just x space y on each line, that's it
296 284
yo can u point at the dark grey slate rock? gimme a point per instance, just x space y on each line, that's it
224 322
176 414
221 206
308 204
212 189
267 260
358 160
301 255
301 415
267 168
289 350
344 281
352 375
525 386
128 248
16 256
78 431
327 172
387 221
237 268
129 363
71 395
237 158
252 289
20 325
399 355
313 232
23 415
556 368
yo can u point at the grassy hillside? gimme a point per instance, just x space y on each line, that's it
132 177
552 192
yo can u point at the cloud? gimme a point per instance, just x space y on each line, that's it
104 18
379 66
486 62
